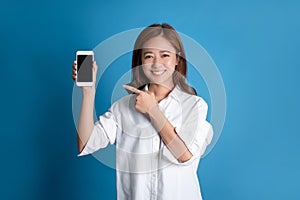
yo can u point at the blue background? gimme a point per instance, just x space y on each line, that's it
255 45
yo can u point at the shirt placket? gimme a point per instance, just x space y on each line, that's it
154 171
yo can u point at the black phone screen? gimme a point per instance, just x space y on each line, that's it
84 68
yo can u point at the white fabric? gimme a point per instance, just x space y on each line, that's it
146 169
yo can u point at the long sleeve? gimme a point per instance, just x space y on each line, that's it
195 131
104 132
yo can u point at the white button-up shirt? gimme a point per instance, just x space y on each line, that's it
146 169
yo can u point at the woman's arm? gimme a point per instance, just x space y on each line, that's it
169 135
86 119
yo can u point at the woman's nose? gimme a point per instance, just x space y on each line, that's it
156 59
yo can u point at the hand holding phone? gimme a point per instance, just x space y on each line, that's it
84 69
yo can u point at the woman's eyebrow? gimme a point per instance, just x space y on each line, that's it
162 51
145 52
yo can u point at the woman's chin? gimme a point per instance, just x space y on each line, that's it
164 81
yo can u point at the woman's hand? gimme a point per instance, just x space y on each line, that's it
145 100
74 75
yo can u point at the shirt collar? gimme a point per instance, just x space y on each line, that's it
175 93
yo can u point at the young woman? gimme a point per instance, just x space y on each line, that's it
160 130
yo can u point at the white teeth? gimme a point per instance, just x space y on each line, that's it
158 72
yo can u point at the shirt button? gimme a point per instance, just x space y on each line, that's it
154 193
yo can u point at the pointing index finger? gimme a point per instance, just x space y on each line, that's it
132 89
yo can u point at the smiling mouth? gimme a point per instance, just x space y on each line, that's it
158 72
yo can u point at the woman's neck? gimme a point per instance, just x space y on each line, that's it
160 91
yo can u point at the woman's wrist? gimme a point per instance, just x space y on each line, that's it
157 118
88 91
152 108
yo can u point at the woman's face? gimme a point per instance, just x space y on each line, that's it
159 60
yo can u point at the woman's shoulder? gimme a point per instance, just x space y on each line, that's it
193 105
189 99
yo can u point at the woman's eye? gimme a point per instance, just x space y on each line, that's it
148 56
166 55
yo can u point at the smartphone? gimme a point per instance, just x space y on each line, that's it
84 61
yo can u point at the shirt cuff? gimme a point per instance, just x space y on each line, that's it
82 153
196 146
